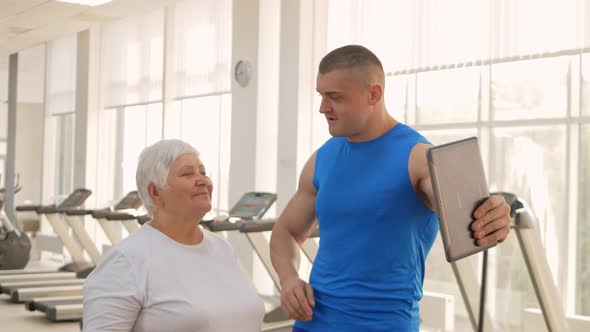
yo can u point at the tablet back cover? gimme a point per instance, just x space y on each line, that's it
460 186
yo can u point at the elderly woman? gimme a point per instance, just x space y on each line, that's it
170 275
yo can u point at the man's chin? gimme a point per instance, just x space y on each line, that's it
334 132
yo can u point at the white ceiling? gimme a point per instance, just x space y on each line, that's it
25 23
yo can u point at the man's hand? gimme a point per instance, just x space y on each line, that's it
297 299
492 221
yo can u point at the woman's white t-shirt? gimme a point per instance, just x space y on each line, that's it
149 282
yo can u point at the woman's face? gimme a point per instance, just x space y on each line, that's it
189 188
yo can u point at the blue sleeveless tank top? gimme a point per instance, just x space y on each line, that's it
375 234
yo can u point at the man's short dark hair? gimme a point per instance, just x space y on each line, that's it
352 57
347 57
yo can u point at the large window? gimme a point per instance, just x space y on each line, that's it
438 137
435 104
197 106
124 133
201 114
202 35
60 90
418 34
530 89
396 88
531 161
64 155
110 152
133 51
205 123
141 126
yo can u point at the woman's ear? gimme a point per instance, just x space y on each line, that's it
154 194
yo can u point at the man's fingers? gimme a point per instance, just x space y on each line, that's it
294 302
491 227
297 299
498 212
487 205
309 295
302 299
290 309
497 236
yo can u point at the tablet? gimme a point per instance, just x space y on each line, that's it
460 186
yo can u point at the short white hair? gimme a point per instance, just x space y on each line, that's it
153 166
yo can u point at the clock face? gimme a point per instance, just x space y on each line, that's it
243 73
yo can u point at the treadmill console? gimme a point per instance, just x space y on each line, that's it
76 199
252 205
131 201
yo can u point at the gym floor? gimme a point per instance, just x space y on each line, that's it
15 317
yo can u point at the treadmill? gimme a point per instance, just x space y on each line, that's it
125 212
68 308
26 291
78 268
31 286
15 245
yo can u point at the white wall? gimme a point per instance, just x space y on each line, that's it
31 75
29 151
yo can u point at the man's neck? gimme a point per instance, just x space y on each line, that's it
376 127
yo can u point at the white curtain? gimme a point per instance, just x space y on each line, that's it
60 89
132 56
202 38
426 33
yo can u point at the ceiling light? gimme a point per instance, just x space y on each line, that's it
91 3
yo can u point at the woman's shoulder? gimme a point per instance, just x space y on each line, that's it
136 245
217 241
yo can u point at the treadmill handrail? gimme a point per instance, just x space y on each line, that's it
257 226
226 225
539 271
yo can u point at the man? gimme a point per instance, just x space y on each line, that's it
369 188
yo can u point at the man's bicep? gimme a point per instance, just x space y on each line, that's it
299 215
426 189
420 174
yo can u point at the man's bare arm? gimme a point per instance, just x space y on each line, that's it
294 226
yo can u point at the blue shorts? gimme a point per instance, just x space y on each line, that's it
296 329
